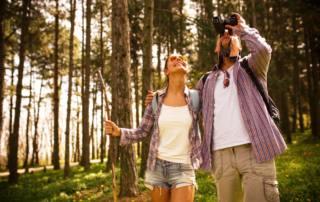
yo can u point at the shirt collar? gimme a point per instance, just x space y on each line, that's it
217 66
164 91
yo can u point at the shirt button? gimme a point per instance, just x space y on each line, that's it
215 74
211 104
212 88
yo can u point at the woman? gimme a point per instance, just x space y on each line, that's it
175 144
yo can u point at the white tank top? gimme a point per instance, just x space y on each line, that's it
174 128
229 127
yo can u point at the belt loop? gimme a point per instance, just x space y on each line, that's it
179 166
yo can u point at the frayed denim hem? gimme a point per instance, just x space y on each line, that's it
150 186
184 184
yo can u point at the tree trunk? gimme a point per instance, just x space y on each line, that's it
102 141
86 103
77 153
121 62
315 74
14 137
254 17
11 112
296 73
159 48
134 49
147 74
3 7
25 164
170 27
82 75
56 93
67 147
94 114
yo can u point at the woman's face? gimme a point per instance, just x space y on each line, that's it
176 64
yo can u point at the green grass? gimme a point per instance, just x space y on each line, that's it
298 171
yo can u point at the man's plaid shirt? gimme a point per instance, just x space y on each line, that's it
265 137
129 136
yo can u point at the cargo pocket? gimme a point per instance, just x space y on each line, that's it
271 190
216 163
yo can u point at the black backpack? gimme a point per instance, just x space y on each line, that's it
271 106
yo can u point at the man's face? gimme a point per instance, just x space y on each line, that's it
225 40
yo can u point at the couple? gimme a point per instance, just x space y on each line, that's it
240 139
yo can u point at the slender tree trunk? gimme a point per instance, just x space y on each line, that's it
254 17
94 114
56 98
315 74
3 6
35 140
135 47
296 73
25 164
170 27
102 141
77 153
147 74
14 137
181 29
11 110
67 147
82 75
121 62
86 103
159 48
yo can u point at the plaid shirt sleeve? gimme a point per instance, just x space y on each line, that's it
129 136
199 88
260 50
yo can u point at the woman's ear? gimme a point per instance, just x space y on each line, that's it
166 72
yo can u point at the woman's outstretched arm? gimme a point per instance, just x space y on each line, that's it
128 136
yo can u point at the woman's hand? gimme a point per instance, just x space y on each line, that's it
149 98
112 128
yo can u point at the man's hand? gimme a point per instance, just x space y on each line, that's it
149 98
112 128
240 24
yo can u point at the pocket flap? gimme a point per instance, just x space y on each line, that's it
271 182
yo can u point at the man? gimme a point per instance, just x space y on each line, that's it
240 139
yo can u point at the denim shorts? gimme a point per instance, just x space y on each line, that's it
168 175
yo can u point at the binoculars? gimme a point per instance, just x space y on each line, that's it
219 24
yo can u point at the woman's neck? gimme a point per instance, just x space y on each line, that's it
177 84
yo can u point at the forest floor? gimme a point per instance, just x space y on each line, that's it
298 174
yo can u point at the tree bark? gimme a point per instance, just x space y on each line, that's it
147 74
94 114
14 137
102 141
315 74
3 6
77 153
86 103
67 147
309 75
170 27
296 73
25 164
11 110
159 48
82 74
56 93
121 62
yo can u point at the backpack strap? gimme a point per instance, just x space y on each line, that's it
205 77
155 102
195 100
245 65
